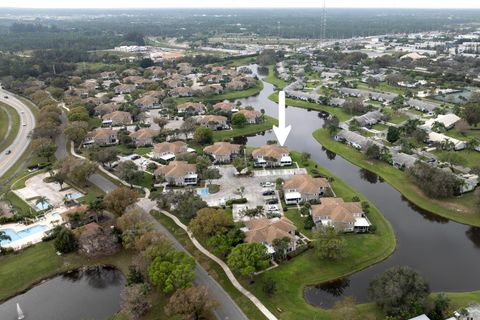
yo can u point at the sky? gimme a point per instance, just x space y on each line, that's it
241 3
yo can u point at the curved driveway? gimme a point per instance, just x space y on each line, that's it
22 140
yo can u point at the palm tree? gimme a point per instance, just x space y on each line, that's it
4 236
42 200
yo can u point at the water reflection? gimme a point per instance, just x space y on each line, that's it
330 155
369 176
335 287
473 233
425 214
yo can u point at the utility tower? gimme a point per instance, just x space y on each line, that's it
323 24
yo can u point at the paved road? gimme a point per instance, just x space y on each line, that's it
22 140
227 308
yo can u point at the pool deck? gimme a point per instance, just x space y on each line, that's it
35 187
50 220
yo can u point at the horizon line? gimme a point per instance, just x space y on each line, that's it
234 8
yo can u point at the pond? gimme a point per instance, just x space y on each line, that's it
434 246
93 293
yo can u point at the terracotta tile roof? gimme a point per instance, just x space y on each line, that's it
172 147
212 118
176 169
336 209
191 105
222 148
270 150
250 114
101 133
227 106
119 116
264 230
304 183
106 108
144 133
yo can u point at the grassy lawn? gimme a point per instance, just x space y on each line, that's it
212 268
460 209
471 133
6 138
247 130
271 78
379 127
342 116
363 250
472 157
398 118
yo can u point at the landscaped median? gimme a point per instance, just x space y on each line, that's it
9 125
461 209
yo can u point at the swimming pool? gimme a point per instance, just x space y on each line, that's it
14 235
202 192
74 196
42 205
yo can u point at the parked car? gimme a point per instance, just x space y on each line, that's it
268 193
272 207
267 184
272 201
6 97
8 152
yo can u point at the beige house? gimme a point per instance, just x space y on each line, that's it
271 155
147 102
117 118
223 152
265 230
178 173
144 136
194 107
125 88
213 122
225 106
106 108
101 137
181 92
252 116
169 150
302 188
343 216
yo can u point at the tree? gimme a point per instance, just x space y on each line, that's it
4 237
248 258
420 135
65 242
128 171
203 163
44 148
304 157
42 201
135 301
373 151
434 182
222 244
239 164
400 292
187 204
269 286
372 82
76 131
441 306
133 226
192 303
161 122
119 199
203 135
106 155
354 106
188 126
59 178
239 120
346 309
281 245
96 241
77 170
308 222
331 124
209 222
211 174
393 134
174 270
472 113
134 276
329 244
462 126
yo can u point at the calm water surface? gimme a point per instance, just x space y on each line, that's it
79 295
436 247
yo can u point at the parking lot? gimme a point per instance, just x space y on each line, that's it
230 183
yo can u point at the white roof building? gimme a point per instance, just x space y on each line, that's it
448 120
439 137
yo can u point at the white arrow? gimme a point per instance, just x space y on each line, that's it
281 131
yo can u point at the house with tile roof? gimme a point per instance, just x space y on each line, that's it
214 122
147 102
124 88
265 231
168 150
101 137
178 173
303 188
144 136
225 106
271 155
191 107
223 152
106 108
343 216
117 118
252 116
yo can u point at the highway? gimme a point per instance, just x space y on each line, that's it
22 140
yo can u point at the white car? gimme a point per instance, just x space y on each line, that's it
272 207
268 185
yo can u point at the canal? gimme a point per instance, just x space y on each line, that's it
446 253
